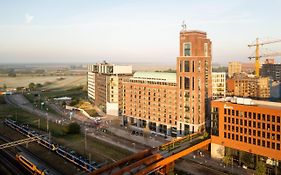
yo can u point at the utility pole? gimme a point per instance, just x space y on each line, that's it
47 122
85 140
39 123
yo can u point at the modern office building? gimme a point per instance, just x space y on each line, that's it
104 85
242 85
173 103
234 67
271 70
247 125
218 84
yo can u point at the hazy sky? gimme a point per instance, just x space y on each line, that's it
131 31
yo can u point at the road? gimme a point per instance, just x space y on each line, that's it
20 101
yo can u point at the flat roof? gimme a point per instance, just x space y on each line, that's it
261 103
156 76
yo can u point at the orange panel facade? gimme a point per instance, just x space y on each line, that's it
251 128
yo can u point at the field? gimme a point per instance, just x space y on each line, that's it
52 82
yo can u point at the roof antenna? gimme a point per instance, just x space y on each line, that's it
183 26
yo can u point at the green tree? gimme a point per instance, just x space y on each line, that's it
4 86
39 71
72 128
261 168
12 74
31 86
227 160
247 159
38 85
20 88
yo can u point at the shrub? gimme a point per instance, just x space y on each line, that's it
72 128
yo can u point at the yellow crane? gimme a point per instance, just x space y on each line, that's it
258 56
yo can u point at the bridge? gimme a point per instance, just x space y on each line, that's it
158 160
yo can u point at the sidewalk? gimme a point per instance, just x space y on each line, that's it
148 141
204 159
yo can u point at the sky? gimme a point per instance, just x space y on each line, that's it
70 31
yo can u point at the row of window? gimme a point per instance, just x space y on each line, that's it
253 132
254 124
254 115
253 141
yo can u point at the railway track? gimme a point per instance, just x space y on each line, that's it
12 154
7 159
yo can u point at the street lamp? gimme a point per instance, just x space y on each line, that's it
47 116
85 140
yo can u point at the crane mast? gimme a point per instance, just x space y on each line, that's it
257 60
257 53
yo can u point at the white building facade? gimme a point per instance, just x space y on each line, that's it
218 85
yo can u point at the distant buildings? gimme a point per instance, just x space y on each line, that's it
242 85
234 68
218 84
237 67
104 85
248 68
271 70
246 125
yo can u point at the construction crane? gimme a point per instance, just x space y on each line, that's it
258 56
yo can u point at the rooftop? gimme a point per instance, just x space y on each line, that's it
251 102
155 76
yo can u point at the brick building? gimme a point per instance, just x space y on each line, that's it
173 103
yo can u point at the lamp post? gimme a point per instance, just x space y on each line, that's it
47 116
85 140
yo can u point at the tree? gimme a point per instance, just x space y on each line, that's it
247 158
38 85
72 128
227 160
31 86
4 86
39 71
261 168
12 74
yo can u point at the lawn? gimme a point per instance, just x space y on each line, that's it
100 151
76 93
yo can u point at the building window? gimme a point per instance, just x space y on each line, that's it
186 66
187 49
186 83
206 49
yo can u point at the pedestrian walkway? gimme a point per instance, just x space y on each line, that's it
148 141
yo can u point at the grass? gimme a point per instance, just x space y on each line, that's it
8 111
99 150
75 93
